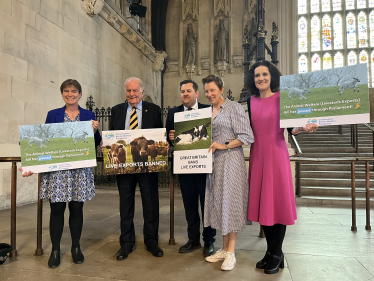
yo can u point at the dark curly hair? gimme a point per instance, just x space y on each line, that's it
71 82
214 78
274 73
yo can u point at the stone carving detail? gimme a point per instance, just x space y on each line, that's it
190 69
133 37
205 65
140 44
172 67
112 18
123 29
147 51
190 51
221 43
231 68
238 63
190 9
158 64
221 8
93 7
221 67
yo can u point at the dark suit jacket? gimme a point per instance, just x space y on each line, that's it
170 118
57 116
151 116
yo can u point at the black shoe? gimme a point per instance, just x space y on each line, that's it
54 260
155 250
77 255
190 246
208 249
123 253
262 263
274 264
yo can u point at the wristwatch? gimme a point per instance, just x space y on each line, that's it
227 145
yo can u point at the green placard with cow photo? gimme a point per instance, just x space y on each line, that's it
135 151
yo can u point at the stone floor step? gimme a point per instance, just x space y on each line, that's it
343 201
331 182
332 167
332 191
360 174
334 155
336 149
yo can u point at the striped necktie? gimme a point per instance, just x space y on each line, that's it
134 119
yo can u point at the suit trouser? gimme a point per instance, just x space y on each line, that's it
148 183
193 187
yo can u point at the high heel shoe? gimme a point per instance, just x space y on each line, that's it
274 264
262 263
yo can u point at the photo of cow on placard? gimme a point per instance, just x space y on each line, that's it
193 134
135 151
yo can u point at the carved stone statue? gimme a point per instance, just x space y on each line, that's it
93 7
274 33
190 44
246 38
221 43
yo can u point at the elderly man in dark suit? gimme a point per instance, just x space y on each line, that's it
131 115
192 185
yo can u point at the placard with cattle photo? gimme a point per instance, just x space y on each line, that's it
135 151
192 139
334 96
57 146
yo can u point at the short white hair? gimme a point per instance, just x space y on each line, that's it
137 79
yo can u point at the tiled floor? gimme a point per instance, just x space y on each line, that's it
319 247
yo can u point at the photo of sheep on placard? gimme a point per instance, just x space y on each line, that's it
325 93
193 134
135 151
46 144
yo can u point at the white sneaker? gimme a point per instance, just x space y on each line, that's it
220 255
229 262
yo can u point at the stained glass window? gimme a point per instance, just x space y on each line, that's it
351 30
338 60
371 3
315 32
314 6
372 67
327 61
352 58
371 26
326 32
361 4
303 35
326 5
364 57
316 62
338 31
303 64
302 7
337 5
349 4
362 30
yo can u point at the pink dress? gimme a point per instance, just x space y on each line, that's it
271 194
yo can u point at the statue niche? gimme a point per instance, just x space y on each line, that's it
190 46
221 43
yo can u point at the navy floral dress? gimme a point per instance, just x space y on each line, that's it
68 185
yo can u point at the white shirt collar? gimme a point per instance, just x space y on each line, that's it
195 106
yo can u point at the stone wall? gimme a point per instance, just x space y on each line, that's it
283 12
44 42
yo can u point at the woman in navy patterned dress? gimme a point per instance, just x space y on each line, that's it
70 186
226 195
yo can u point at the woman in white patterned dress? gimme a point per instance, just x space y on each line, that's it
226 197
72 187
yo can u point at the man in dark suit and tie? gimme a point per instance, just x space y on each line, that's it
131 115
192 185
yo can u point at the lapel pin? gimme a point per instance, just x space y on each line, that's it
146 110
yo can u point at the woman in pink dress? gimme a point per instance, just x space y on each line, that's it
271 194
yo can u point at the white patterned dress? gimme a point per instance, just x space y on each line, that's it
68 185
226 194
